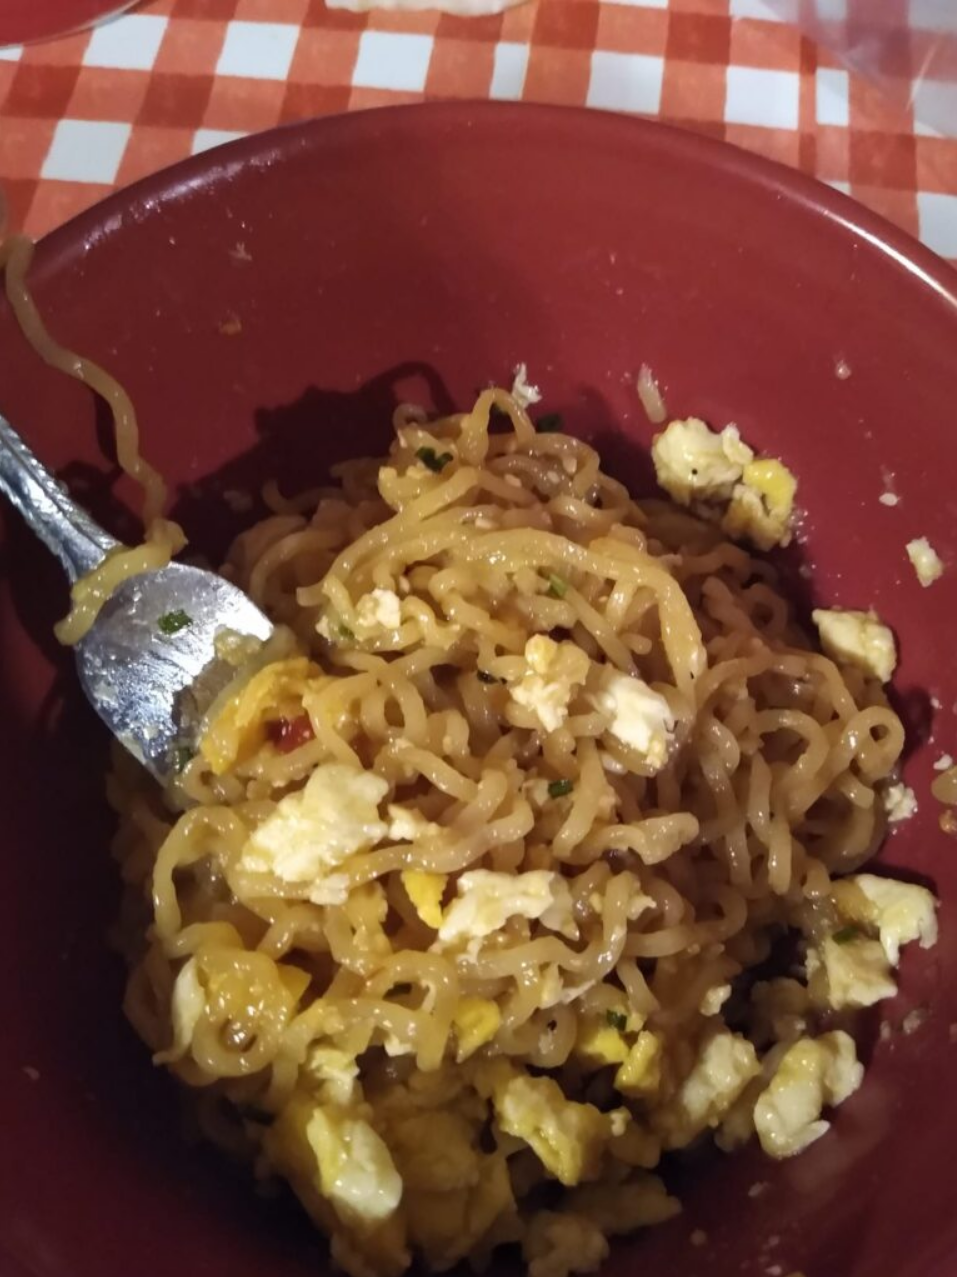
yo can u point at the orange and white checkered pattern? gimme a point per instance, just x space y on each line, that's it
84 114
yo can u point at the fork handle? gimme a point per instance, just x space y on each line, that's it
78 542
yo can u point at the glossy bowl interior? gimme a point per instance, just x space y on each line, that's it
420 253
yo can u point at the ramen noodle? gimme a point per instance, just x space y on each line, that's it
461 918
459 929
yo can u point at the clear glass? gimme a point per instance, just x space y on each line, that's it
909 47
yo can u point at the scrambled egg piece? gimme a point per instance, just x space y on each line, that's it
699 466
695 463
523 392
425 890
334 1154
238 729
334 1072
318 828
762 504
356 1170
486 900
640 1071
900 803
926 561
600 1043
475 1022
622 1208
857 638
813 1073
406 825
556 1245
376 611
900 911
714 999
737 1125
849 972
638 716
554 671
187 1004
568 1138
725 1064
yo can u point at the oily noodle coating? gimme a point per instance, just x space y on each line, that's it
681 872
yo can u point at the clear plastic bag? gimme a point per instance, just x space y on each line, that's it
909 47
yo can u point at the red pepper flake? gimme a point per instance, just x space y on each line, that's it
288 734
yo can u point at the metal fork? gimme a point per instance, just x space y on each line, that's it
148 665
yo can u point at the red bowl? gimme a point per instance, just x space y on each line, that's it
22 21
419 253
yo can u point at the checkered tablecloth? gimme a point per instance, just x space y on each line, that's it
84 114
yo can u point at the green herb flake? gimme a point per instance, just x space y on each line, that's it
550 423
485 677
617 1020
560 788
557 586
172 622
846 935
344 634
182 756
435 461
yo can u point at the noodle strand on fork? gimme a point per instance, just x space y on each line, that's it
163 538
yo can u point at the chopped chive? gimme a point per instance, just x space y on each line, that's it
485 677
343 632
557 586
435 461
182 755
617 1020
845 935
560 788
172 622
550 423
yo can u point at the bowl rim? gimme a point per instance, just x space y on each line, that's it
64 245
102 11
813 195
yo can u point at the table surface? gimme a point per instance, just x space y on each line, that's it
86 113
